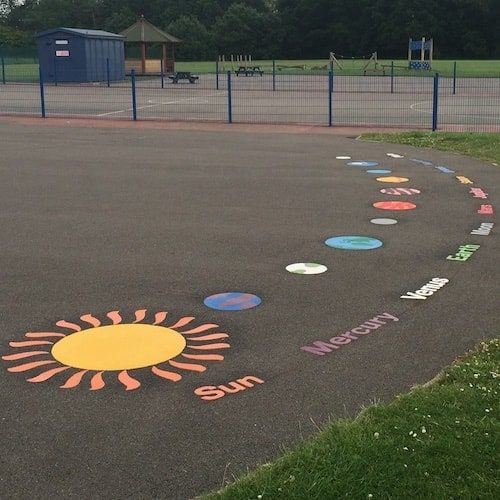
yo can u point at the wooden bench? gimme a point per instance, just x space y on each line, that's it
183 75
249 71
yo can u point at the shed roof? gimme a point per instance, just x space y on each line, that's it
144 31
81 32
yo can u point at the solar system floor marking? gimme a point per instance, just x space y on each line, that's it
96 347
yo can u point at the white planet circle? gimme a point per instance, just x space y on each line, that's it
306 268
395 155
384 222
343 157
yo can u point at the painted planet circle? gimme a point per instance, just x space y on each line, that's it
400 191
353 242
232 301
395 205
393 179
343 157
394 155
362 163
380 171
306 268
384 222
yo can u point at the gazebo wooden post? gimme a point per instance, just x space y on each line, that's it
173 56
143 57
164 57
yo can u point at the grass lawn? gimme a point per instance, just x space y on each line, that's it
24 71
483 146
438 441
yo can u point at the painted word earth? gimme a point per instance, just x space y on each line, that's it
320 348
463 253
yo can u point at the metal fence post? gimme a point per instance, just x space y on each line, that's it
4 81
454 77
392 77
217 74
435 103
274 75
229 99
162 74
330 98
134 96
42 92
107 72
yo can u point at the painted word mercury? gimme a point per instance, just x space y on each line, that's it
427 290
320 348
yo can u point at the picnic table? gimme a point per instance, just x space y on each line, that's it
249 71
183 75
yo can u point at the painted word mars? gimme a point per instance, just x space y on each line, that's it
427 290
463 253
320 348
484 229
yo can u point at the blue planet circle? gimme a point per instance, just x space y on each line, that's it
362 163
353 242
232 301
381 171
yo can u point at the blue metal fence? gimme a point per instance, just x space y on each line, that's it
316 98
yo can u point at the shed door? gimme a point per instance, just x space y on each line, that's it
61 61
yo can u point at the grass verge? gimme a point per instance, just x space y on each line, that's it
482 146
438 441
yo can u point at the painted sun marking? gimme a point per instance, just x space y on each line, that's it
90 351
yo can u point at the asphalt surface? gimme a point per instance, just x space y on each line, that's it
102 220
356 101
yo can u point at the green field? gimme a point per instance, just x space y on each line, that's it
21 70
439 441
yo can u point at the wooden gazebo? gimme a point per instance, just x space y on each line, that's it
143 33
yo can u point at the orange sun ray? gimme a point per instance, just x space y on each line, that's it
202 328
71 326
74 380
213 336
88 318
48 374
115 317
22 355
182 322
204 357
28 343
97 382
174 377
129 382
140 314
29 366
160 317
41 335
187 366
209 347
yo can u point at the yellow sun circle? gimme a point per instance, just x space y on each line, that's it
119 347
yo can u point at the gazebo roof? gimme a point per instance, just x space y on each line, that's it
144 31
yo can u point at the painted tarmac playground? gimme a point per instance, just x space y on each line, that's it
126 375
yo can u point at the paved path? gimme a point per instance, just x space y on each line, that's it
100 225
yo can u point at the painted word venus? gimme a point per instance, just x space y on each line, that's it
427 290
320 347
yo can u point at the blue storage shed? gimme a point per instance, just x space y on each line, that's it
79 55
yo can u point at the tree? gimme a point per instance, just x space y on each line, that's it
197 41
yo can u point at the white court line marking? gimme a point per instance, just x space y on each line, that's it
179 101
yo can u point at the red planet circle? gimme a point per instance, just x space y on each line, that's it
395 205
